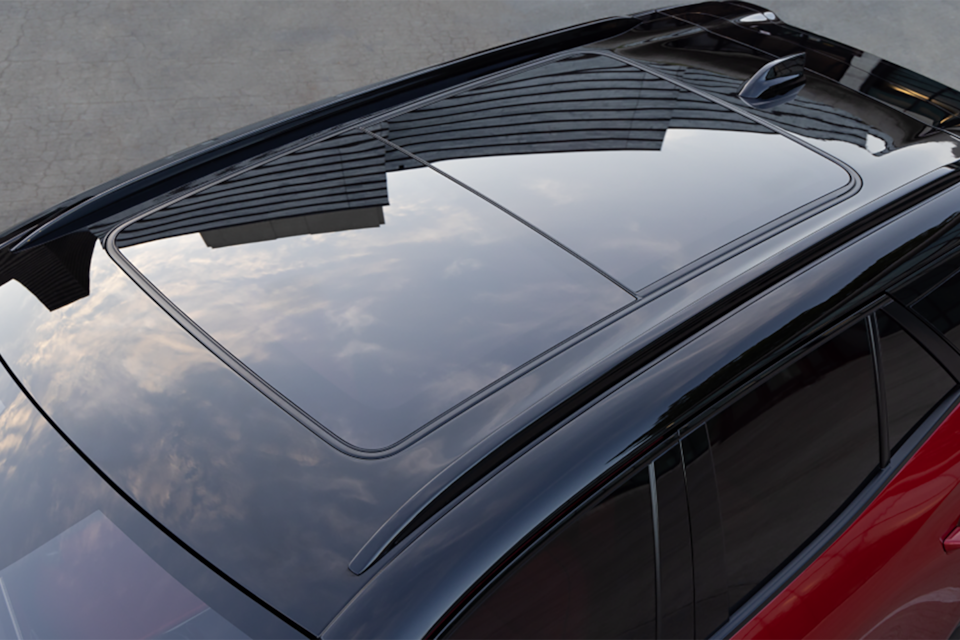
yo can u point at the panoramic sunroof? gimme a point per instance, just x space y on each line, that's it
372 292
376 294
635 174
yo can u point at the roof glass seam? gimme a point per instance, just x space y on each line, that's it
519 219
298 155
722 108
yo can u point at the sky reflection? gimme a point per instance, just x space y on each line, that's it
640 215
375 331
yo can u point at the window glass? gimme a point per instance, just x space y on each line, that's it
942 308
602 156
706 530
791 452
92 581
913 380
373 299
595 578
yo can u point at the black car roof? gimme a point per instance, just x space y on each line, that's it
570 198
231 470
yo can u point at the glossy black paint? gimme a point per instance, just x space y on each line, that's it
142 437
550 478
706 532
921 98
675 598
824 113
239 481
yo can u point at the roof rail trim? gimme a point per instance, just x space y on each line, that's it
485 457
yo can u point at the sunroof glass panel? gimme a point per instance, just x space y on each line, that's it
635 174
374 297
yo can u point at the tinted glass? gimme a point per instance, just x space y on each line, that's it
941 308
77 561
635 174
595 578
375 300
791 452
914 382
92 581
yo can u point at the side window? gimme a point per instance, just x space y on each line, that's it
594 578
941 308
791 452
686 540
914 383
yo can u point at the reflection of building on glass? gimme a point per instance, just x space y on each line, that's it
824 111
365 218
57 273
595 103
92 581
925 99
801 116
584 103
330 178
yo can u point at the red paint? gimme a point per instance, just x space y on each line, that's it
952 541
888 575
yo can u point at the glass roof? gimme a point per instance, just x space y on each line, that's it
377 294
631 172
377 316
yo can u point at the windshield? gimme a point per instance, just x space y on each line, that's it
92 581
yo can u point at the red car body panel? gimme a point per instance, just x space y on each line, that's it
888 575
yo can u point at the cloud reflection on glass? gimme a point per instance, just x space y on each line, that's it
221 466
374 331
640 215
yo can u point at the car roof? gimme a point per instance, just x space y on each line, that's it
559 195
205 426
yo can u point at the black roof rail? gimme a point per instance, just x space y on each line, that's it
467 470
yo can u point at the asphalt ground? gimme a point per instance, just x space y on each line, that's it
90 89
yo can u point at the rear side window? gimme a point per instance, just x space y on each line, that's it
595 578
791 452
914 383
941 308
